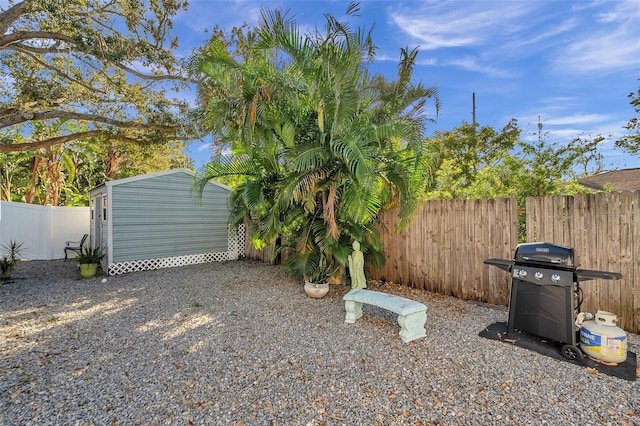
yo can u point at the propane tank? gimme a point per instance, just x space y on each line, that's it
602 339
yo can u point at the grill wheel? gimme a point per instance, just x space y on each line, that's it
571 353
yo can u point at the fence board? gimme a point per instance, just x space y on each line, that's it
569 220
581 236
474 277
612 287
493 235
469 277
634 276
547 225
493 277
532 210
591 294
600 215
432 247
625 285
445 247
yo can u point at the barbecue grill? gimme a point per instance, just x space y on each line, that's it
545 292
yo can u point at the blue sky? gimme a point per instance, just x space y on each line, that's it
571 63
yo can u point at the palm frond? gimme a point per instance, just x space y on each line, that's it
308 158
304 187
358 205
356 157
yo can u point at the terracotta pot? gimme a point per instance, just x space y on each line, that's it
316 291
88 270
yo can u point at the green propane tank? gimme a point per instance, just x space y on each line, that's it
602 339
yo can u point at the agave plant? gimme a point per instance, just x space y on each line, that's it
319 270
9 261
90 255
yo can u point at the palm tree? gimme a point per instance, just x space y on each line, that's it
323 147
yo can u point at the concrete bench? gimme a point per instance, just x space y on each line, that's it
411 314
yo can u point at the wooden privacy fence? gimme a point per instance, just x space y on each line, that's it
264 255
444 248
604 230
267 254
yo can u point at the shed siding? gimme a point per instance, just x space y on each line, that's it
159 217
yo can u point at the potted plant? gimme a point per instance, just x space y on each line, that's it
316 280
8 262
89 259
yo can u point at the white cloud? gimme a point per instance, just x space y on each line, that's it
564 134
584 37
610 44
572 120
204 147
423 62
472 64
460 23
620 12
482 37
564 128
544 38
555 106
207 13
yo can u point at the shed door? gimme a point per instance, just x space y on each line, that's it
96 240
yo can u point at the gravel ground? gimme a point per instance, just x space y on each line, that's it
239 343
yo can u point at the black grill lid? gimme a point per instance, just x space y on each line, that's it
545 254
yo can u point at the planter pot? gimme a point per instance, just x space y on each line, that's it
316 291
88 270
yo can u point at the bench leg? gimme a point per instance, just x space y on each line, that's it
354 311
412 326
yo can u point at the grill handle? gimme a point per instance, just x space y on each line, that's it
503 264
589 274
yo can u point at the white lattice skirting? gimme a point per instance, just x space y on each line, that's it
166 262
236 249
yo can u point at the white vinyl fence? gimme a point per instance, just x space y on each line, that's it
43 230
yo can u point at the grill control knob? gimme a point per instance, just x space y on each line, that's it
555 278
538 275
522 273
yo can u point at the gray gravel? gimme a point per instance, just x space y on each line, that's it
239 343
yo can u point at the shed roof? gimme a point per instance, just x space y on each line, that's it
156 174
616 180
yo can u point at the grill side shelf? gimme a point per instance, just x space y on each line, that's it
589 274
503 264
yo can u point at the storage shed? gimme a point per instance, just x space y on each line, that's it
155 221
